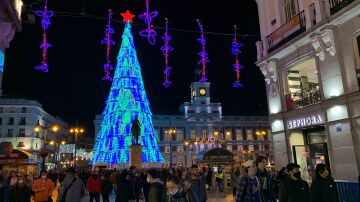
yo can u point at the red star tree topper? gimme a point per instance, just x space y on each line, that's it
127 16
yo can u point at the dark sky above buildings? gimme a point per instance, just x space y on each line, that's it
73 88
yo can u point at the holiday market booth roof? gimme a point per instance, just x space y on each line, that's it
217 155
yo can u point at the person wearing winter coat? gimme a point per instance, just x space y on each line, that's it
157 192
43 188
196 184
72 188
323 187
248 189
106 188
123 189
20 192
175 192
294 189
234 178
267 190
93 185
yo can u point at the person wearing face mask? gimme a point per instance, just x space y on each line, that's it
175 192
294 189
157 192
323 187
21 191
93 185
43 188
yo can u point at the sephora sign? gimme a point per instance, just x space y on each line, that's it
305 121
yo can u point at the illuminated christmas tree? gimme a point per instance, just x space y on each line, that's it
127 101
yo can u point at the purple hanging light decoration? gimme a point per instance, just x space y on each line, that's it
107 40
203 54
235 49
149 32
166 49
45 23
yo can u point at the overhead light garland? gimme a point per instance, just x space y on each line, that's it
45 23
235 49
107 40
166 49
203 54
149 32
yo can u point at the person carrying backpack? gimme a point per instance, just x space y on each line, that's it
72 188
157 191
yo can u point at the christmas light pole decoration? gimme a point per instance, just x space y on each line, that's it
166 49
203 54
45 22
237 66
107 40
149 32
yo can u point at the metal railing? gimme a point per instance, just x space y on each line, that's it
348 191
303 98
336 5
292 28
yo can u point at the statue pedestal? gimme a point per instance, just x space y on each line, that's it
136 156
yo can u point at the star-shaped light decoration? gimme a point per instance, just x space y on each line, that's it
127 16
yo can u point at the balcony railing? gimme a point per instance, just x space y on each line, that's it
303 98
292 28
336 5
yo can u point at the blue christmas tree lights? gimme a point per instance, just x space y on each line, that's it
127 100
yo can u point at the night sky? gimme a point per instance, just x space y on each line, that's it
73 88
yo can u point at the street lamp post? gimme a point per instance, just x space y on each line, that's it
45 128
171 132
76 131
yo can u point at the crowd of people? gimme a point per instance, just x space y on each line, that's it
250 183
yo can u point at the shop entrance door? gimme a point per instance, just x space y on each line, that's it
308 156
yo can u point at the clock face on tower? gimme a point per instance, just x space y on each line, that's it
202 91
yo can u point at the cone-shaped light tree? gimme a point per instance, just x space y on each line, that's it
127 101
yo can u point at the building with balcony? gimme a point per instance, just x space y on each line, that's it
309 56
18 118
10 22
202 127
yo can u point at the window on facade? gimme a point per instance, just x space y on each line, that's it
204 134
11 121
12 110
0 121
180 135
256 147
167 149
249 134
23 110
229 148
22 121
192 134
356 44
1 110
303 85
228 135
10 132
239 134
180 149
22 132
291 8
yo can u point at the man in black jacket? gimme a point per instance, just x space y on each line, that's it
323 187
294 189
267 190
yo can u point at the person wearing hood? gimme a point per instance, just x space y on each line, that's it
175 192
294 189
323 187
157 192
